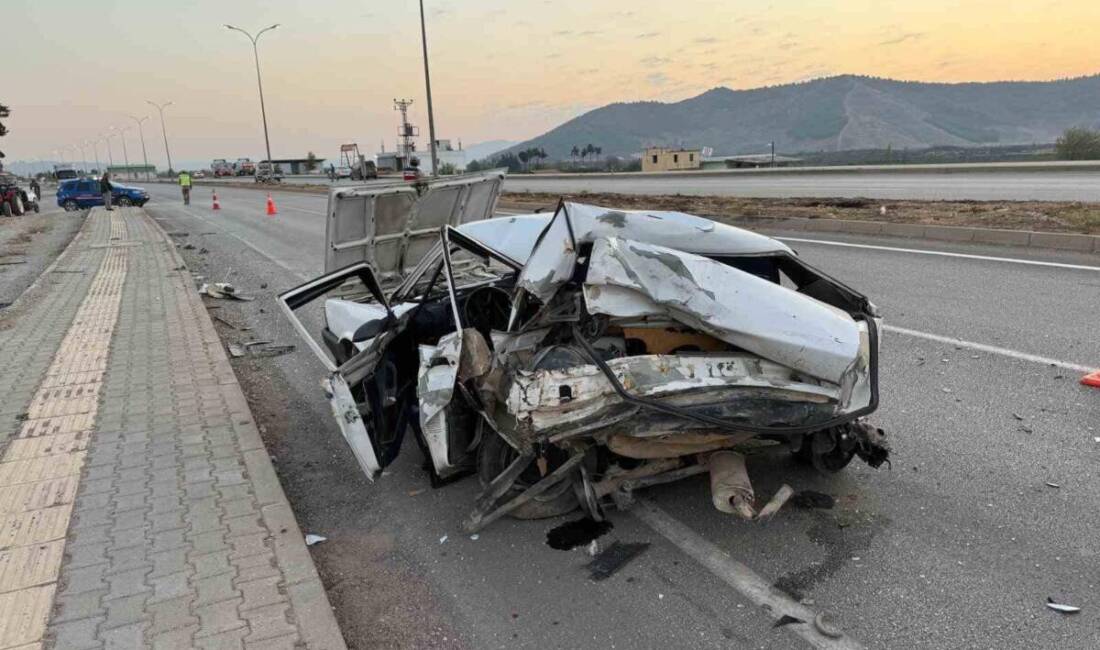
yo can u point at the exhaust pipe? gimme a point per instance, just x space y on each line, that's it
731 490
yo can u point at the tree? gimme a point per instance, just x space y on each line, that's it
574 153
311 161
474 166
523 156
1078 143
448 169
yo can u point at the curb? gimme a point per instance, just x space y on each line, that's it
1023 238
315 619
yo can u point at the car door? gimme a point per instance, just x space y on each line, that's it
87 193
345 381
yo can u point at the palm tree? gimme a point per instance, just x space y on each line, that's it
574 153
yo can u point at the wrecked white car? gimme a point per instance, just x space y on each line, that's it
570 358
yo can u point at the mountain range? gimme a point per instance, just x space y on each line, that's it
835 114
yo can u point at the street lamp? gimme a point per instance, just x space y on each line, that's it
164 131
428 89
259 82
141 132
83 157
110 155
125 156
95 151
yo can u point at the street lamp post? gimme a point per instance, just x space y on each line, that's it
125 156
163 129
259 82
773 153
83 157
141 132
95 151
428 91
110 155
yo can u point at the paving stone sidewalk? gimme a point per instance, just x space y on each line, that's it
180 535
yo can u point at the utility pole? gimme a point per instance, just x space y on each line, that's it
428 91
259 82
773 153
164 130
141 132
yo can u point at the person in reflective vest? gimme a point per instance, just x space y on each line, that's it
185 187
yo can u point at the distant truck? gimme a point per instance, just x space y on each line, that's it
221 167
64 172
244 167
359 168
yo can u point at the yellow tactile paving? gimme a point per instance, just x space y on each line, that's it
40 469
34 527
63 443
35 496
23 615
57 425
29 566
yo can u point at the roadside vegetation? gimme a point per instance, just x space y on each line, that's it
1078 143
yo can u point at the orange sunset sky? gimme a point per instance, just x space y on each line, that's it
502 69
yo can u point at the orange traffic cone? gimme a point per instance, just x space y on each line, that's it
1092 379
271 211
216 205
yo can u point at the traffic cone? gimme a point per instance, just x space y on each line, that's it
1092 379
271 211
216 205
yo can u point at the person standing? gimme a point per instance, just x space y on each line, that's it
105 188
185 187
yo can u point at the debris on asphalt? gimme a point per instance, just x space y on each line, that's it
12 262
179 234
827 627
442 539
1026 429
1059 607
811 500
612 559
226 322
263 285
1018 416
265 349
785 620
475 537
203 251
578 532
223 290
312 539
236 351
1053 485
188 247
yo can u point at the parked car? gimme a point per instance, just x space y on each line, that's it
570 358
199 174
343 172
84 193
15 198
410 174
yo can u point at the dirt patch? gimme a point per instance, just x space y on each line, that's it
1042 216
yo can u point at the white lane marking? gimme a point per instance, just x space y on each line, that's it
987 258
992 349
743 579
255 248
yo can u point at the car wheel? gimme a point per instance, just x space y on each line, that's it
828 457
5 209
494 456
17 205
70 206
125 202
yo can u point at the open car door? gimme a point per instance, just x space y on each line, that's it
371 447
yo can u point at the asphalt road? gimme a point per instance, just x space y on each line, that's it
978 186
957 546
954 186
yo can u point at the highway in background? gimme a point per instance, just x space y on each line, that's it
959 544
950 183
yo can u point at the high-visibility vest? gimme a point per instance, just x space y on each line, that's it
185 180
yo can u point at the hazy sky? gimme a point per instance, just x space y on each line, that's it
506 69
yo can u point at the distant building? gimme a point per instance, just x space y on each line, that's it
398 160
661 159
